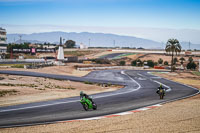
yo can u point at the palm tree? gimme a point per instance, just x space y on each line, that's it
175 60
173 47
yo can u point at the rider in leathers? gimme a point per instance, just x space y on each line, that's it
159 88
86 96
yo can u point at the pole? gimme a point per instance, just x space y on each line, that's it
11 53
189 45
199 65
89 42
20 39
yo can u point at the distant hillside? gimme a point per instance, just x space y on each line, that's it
31 41
94 39
185 45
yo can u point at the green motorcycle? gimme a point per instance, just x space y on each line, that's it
87 104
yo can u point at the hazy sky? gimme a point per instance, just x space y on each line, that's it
21 16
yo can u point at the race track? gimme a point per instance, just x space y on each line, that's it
139 91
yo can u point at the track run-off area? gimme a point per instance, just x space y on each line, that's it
139 91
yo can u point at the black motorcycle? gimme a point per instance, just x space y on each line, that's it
161 93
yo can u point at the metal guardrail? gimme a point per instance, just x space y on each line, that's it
111 67
22 60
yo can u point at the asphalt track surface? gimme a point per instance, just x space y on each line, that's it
139 91
111 56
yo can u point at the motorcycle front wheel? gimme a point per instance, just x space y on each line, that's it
94 106
161 96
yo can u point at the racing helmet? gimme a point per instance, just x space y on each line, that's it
81 93
160 85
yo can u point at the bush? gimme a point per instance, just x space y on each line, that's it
191 65
87 82
133 63
166 63
122 63
160 61
150 63
18 66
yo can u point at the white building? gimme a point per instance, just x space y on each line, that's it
3 37
82 46
3 44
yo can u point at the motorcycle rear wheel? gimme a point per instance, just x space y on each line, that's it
85 106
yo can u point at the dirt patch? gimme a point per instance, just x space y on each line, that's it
179 116
23 89
68 69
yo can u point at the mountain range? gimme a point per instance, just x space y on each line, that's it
93 40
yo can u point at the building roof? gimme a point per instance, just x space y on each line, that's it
2 29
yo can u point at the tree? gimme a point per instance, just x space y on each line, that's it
166 63
122 63
133 63
182 60
173 47
191 64
139 62
70 44
9 48
190 59
160 61
136 62
17 46
41 46
175 60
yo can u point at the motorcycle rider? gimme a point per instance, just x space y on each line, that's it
159 88
82 94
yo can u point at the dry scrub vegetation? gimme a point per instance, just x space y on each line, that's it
23 89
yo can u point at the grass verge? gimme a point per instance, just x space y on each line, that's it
196 73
